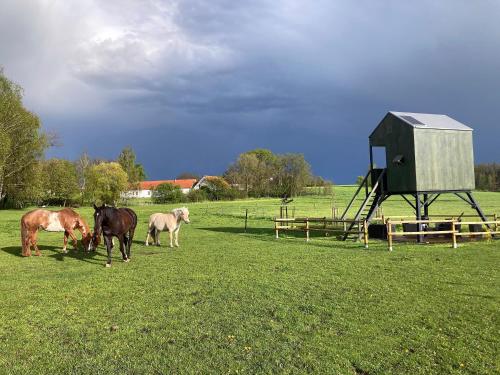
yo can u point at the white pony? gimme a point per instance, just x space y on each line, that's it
170 222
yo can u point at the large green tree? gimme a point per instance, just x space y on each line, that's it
60 181
82 166
105 182
134 170
22 143
261 173
254 171
294 174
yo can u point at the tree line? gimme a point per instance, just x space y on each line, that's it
62 182
487 177
261 173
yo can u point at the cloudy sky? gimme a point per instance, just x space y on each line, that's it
190 84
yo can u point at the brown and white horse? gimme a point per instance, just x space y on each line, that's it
170 222
65 220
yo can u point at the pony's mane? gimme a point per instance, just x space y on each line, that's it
179 211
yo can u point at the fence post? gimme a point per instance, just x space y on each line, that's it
389 234
246 219
365 232
454 234
495 218
324 226
307 229
276 228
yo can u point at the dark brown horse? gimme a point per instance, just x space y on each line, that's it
117 222
65 220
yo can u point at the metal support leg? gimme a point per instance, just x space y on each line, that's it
426 206
476 206
418 209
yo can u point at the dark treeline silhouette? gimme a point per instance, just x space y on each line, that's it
487 177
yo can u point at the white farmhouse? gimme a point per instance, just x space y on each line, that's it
145 188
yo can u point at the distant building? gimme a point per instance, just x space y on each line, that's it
204 182
146 188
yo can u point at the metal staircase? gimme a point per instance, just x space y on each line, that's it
373 198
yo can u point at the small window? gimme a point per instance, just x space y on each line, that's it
379 157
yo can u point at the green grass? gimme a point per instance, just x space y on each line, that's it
234 302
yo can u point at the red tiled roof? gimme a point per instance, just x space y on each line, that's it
183 184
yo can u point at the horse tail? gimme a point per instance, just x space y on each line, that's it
134 216
155 234
24 237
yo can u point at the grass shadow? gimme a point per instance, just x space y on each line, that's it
16 250
57 253
78 254
267 234
238 230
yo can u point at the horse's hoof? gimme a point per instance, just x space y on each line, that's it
108 265
38 254
126 260
65 251
146 244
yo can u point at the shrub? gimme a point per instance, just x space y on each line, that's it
197 196
218 189
168 193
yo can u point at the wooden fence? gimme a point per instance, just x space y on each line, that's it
492 228
339 226
321 224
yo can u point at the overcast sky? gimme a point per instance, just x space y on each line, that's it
190 84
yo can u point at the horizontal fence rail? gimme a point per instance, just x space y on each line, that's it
321 224
492 228
449 227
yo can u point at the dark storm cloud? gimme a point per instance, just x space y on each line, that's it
219 77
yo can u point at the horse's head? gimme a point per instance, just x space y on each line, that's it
98 218
86 239
95 241
86 234
184 214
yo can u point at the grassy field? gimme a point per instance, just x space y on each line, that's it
234 302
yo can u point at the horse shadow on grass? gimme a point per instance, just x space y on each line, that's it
267 234
57 254
263 234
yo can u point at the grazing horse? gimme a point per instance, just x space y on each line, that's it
65 220
170 222
118 222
